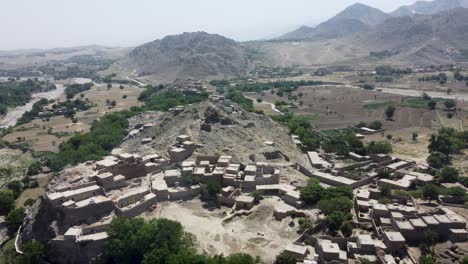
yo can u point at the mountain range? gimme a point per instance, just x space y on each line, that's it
430 33
360 18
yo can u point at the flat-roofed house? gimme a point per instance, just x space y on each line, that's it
316 161
394 241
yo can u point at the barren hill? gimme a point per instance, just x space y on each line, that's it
239 134
355 18
429 7
419 39
440 37
196 55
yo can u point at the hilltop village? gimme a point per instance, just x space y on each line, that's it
385 226
345 142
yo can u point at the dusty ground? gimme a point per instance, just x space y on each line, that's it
340 107
244 140
34 193
258 234
13 164
404 146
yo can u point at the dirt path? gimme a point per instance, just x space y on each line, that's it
13 115
273 106
417 93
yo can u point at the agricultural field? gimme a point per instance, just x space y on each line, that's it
339 107
47 134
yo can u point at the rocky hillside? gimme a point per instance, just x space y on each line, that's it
355 18
420 39
196 55
239 134
439 36
429 7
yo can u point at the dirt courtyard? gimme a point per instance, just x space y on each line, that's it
258 234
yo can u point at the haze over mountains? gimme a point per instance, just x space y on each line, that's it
359 18
422 33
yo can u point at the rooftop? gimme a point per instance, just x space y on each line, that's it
394 236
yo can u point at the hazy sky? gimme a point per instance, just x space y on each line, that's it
64 23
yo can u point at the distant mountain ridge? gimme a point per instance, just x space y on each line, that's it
355 18
189 55
429 7
361 18
445 32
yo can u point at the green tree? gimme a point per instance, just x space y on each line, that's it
312 192
213 188
380 147
430 192
34 168
286 258
438 160
335 220
14 219
385 189
346 229
33 252
16 187
257 196
375 125
390 112
457 192
432 105
305 224
384 173
338 191
7 201
449 174
130 240
241 258
450 104
338 204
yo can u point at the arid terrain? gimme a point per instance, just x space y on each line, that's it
343 142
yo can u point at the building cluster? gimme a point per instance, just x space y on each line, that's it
127 185
365 170
393 227
188 86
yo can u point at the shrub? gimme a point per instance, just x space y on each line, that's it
346 229
7 201
335 220
449 174
381 147
338 204
312 192
286 257
14 219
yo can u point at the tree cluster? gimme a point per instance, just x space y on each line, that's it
159 241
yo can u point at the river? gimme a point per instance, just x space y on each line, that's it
13 115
